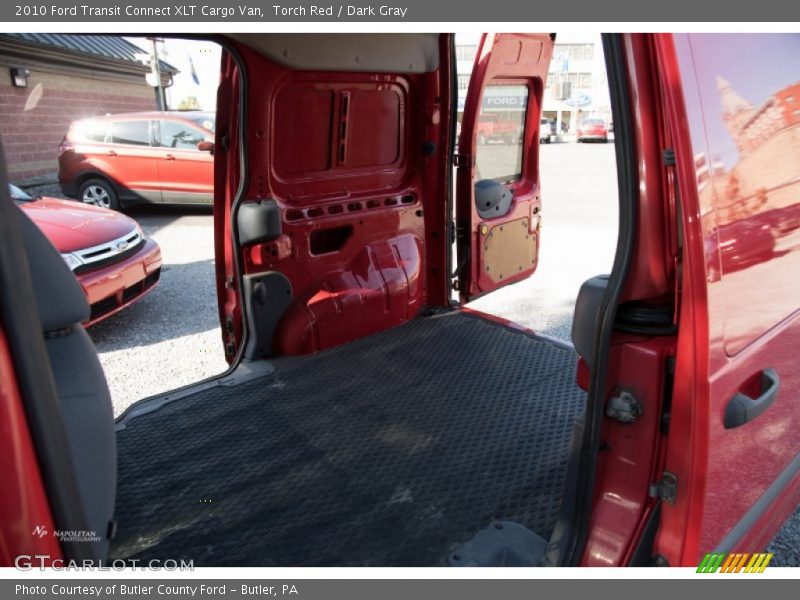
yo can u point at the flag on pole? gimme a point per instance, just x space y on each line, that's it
195 78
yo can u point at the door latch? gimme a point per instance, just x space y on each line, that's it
666 489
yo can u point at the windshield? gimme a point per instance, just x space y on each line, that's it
17 195
589 122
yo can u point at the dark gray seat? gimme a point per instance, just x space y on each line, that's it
83 393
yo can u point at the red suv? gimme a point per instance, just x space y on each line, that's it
119 160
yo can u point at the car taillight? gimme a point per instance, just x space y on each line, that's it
64 146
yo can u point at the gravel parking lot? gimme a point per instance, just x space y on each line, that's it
172 338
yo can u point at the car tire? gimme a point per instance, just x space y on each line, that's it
99 192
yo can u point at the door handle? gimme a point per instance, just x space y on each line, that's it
742 408
169 157
111 153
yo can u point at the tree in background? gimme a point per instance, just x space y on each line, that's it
189 103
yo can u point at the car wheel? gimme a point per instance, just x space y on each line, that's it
100 193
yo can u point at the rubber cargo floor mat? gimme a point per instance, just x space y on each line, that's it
390 450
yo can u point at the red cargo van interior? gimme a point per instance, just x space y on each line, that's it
367 418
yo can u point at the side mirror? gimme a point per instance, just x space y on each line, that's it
206 146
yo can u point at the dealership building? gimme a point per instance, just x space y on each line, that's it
576 87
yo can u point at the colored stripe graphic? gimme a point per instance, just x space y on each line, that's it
735 562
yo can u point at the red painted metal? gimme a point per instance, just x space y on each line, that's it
26 527
630 460
380 284
113 280
72 226
725 471
380 196
633 454
507 58
227 180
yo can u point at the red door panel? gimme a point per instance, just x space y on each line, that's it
130 159
741 165
499 146
186 174
355 162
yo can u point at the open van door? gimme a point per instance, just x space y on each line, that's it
498 203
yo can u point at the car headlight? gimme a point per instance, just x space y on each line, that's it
73 262
141 232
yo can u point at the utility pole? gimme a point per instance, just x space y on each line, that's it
156 66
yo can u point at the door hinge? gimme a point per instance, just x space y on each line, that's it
461 160
666 489
624 407
669 157
224 142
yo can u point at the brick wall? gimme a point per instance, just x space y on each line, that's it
33 120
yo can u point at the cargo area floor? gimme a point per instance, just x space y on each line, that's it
391 450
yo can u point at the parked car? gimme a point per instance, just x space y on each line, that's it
367 419
745 242
547 131
592 130
116 161
782 221
492 129
114 261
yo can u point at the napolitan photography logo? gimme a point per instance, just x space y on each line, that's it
735 562
41 531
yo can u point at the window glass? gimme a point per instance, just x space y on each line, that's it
133 133
17 195
205 121
180 135
500 130
92 131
